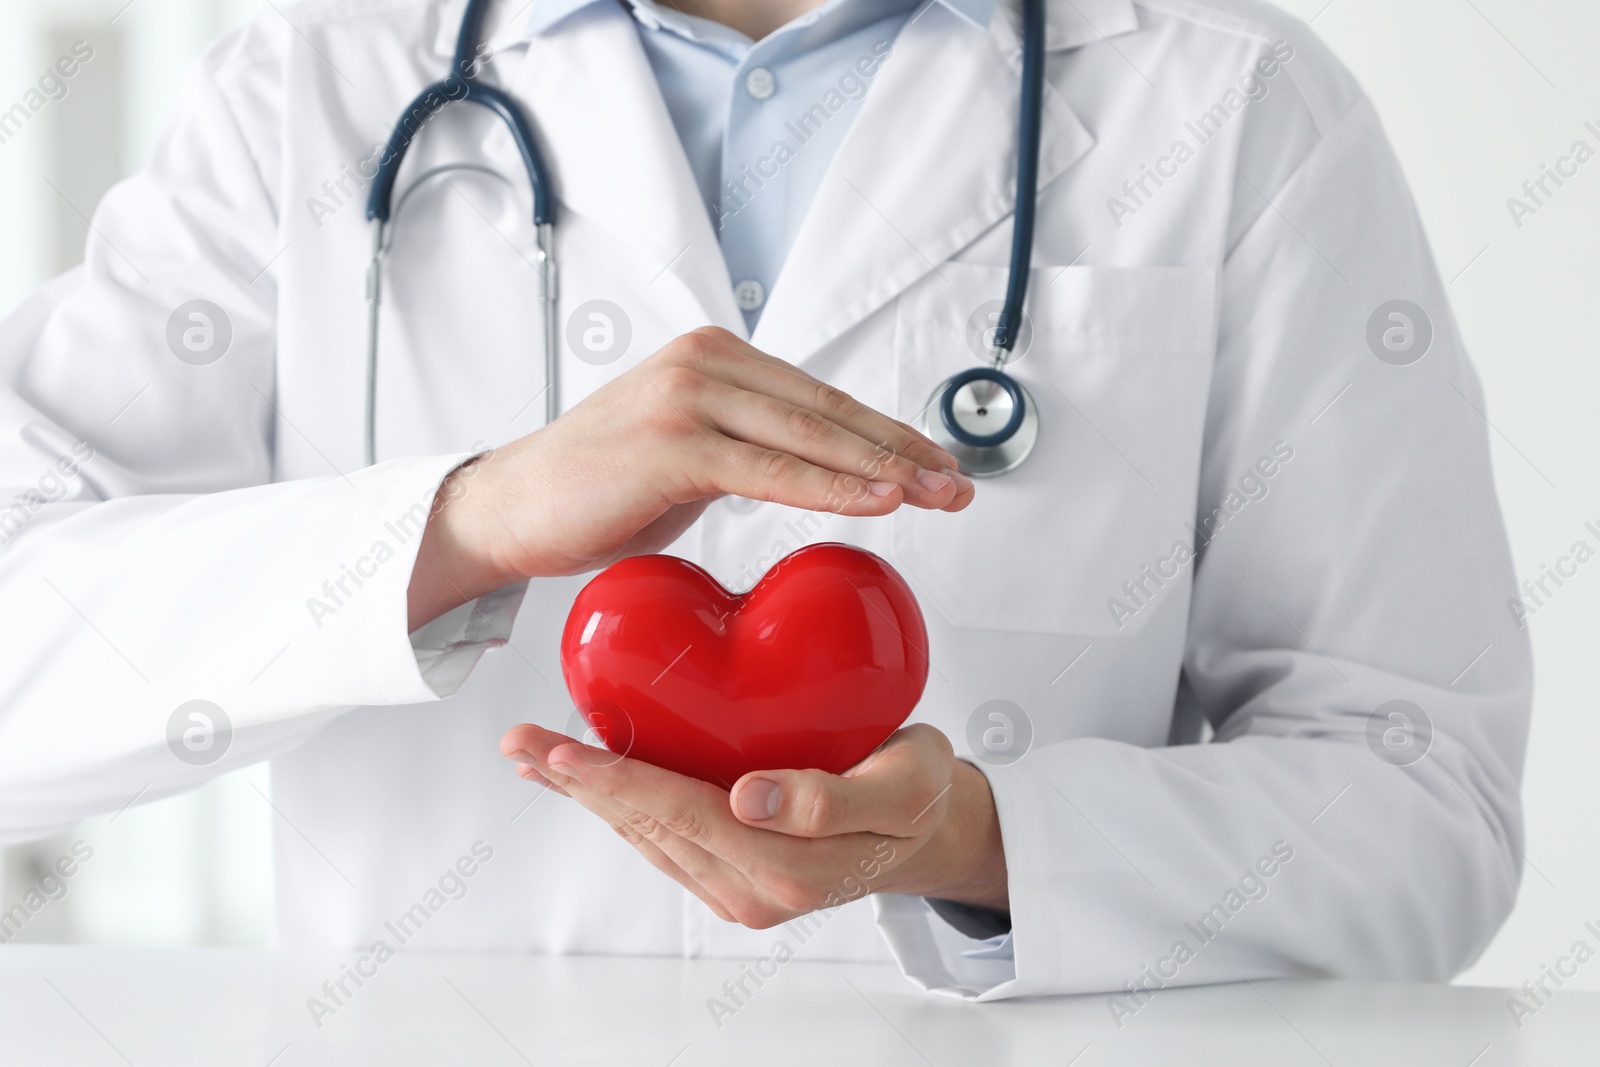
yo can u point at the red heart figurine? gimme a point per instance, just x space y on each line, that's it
814 667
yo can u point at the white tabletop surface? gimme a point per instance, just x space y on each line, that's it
225 1007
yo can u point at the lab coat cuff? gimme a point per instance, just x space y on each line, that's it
393 665
1030 830
450 646
940 958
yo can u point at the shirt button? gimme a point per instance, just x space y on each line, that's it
761 83
750 294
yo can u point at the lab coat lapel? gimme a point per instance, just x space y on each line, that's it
928 165
615 157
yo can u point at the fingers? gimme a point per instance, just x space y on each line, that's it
897 791
519 744
807 434
759 372
529 773
665 864
685 829
685 864
692 867
530 744
713 463
686 807
692 811
765 402
676 815
762 473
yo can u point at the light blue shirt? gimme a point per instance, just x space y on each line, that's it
761 120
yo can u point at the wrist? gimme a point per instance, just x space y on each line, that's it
454 563
964 858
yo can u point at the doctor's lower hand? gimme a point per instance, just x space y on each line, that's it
910 818
628 469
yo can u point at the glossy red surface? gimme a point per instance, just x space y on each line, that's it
814 667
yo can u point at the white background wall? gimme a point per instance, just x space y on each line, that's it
1477 96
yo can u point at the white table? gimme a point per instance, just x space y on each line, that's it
239 1008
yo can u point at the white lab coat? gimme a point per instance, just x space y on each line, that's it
1209 324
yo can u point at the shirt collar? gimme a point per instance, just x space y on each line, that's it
547 13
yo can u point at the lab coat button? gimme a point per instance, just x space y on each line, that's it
750 294
761 83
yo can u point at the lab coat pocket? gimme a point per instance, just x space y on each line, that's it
1118 363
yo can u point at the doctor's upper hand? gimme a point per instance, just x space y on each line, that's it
634 464
910 818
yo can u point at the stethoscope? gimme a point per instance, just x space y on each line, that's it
983 416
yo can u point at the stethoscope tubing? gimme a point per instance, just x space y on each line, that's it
461 86
1030 126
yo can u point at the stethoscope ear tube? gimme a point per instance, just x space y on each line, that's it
459 86
1010 444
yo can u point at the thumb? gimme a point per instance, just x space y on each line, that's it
897 791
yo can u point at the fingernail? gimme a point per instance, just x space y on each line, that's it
932 482
880 488
961 480
575 760
759 799
521 755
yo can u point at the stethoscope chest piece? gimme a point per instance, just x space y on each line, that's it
986 419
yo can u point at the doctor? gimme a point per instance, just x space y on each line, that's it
1224 684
